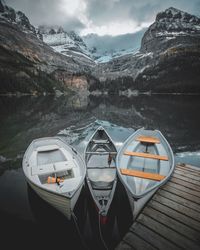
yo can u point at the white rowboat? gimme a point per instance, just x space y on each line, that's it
55 171
144 163
101 174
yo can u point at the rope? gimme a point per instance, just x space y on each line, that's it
100 233
79 232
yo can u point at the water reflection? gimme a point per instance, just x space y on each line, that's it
26 118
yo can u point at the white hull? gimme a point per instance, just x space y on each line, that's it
138 204
63 204
46 162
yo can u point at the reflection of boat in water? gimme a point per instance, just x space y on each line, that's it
55 171
144 162
101 176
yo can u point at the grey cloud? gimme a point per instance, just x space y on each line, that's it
100 12
46 12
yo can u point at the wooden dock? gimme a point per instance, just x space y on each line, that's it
171 219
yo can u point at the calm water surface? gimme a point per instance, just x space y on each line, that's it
24 215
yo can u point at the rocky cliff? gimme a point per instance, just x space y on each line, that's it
168 60
29 65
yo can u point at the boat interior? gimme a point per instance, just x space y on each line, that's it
101 166
144 162
55 167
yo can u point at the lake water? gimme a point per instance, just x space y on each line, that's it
74 118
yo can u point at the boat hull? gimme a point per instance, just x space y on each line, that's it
137 204
100 158
63 204
139 169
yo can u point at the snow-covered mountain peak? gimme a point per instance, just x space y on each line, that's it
172 27
178 17
67 43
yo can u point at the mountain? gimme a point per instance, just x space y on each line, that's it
47 59
92 46
28 65
168 59
66 43
105 48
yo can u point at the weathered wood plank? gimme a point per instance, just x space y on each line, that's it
182 194
186 179
137 242
152 237
193 206
175 214
173 224
189 167
148 139
187 174
178 207
146 155
124 246
188 170
184 183
184 189
141 174
167 232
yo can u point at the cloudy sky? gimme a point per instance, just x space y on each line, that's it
103 17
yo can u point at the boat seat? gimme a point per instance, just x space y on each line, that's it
63 165
146 155
100 141
101 185
47 148
141 174
148 139
101 174
101 153
42 169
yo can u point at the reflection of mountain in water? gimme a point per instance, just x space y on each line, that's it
26 118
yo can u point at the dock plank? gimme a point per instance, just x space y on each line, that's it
180 200
182 194
178 207
193 172
184 183
186 179
176 238
175 214
152 237
184 189
171 219
187 170
137 242
197 169
187 174
173 224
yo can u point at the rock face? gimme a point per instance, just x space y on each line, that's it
29 65
168 60
66 43
171 28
